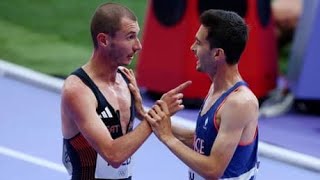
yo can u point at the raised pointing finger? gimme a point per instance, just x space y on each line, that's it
180 88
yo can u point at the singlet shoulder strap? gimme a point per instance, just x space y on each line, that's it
123 75
234 87
132 107
127 81
88 81
229 91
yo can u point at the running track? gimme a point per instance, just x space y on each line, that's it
30 143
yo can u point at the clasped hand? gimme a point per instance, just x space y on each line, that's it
159 115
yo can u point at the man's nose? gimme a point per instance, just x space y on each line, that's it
137 45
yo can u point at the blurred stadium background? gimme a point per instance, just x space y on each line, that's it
53 37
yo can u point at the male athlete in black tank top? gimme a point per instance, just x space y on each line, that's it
78 156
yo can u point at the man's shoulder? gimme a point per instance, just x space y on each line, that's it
241 105
243 97
73 85
72 82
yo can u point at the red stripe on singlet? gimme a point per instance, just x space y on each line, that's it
87 155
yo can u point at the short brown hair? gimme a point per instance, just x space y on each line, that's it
107 18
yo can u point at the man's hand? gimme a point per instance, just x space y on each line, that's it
173 98
135 91
159 119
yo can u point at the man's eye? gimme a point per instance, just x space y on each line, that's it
131 37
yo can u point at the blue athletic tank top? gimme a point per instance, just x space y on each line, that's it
243 165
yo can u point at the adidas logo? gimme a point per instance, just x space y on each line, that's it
106 113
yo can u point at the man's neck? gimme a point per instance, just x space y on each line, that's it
226 78
101 70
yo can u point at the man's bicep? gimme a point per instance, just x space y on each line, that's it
226 142
81 108
229 132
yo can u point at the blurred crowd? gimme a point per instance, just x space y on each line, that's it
286 14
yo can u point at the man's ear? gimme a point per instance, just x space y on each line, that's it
103 39
217 53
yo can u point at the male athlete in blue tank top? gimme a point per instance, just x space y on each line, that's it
243 164
225 141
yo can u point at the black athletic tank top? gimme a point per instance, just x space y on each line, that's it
78 156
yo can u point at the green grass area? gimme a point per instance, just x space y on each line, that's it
51 36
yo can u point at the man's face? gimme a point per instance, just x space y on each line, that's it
125 43
201 49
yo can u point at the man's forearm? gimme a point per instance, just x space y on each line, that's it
184 133
124 146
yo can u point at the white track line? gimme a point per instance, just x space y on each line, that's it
32 159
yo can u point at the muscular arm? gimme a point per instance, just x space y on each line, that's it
229 135
183 132
78 104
